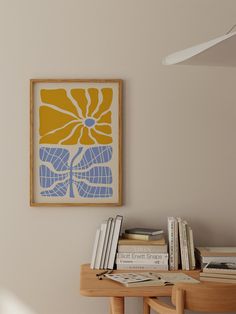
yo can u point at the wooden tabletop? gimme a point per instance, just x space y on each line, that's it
91 286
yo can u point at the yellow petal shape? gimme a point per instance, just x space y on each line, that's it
57 136
107 94
58 98
85 138
93 93
105 118
79 95
51 119
100 138
104 128
73 139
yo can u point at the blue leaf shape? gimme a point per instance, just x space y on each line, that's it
58 157
48 177
60 189
94 155
86 190
99 175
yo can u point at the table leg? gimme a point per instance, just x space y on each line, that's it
117 305
146 308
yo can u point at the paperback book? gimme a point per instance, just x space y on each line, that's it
144 237
141 266
123 241
216 251
145 231
142 248
150 279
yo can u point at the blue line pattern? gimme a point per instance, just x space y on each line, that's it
60 176
94 155
48 177
58 157
86 190
60 189
98 175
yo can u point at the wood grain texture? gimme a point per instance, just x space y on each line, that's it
159 306
92 287
146 307
33 203
202 297
207 297
117 305
180 301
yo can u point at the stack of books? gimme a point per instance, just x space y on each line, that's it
142 249
181 244
105 244
219 272
207 254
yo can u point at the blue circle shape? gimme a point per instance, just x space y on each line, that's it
89 122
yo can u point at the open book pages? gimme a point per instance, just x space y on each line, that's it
150 279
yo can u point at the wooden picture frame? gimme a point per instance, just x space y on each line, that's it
75 142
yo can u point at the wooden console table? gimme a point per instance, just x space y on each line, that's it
91 286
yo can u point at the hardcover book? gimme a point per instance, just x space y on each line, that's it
216 251
213 267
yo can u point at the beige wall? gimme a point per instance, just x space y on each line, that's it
179 127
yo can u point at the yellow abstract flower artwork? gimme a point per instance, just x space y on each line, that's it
82 117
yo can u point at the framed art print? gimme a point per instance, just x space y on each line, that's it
75 142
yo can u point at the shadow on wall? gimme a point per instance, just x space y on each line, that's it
10 304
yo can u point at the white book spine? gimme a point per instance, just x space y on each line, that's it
95 247
140 267
142 262
104 251
186 247
189 246
142 248
143 256
181 244
115 238
100 245
109 244
193 261
171 242
176 245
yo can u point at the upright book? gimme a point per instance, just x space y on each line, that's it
100 245
114 241
95 247
173 243
109 244
105 246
